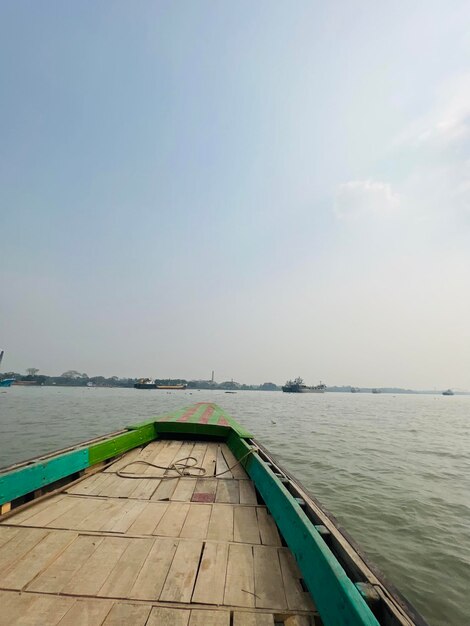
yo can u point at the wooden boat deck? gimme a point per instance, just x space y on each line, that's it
177 551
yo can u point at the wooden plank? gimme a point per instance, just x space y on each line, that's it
173 520
98 487
221 523
86 486
129 513
145 488
37 559
236 469
20 545
52 512
240 580
297 620
199 451
86 612
184 452
91 576
210 582
165 489
247 492
297 598
245 525
82 508
125 459
123 614
180 581
151 578
221 467
200 617
164 458
122 577
269 584
43 610
252 619
13 606
168 617
148 519
197 521
227 491
210 457
7 533
32 509
184 490
117 487
58 574
205 490
267 528
102 511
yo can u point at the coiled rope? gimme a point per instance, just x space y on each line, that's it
183 467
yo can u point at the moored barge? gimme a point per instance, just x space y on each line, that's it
183 520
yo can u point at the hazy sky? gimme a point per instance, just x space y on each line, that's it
266 189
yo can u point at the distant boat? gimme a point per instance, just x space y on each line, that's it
448 392
297 386
355 389
376 391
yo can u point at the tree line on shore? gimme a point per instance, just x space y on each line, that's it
73 378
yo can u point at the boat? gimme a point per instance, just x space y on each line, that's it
355 390
448 392
5 382
182 519
376 391
145 383
298 386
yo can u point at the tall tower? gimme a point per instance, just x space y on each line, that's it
212 379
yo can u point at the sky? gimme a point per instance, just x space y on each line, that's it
265 189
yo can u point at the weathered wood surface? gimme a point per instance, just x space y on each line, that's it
113 550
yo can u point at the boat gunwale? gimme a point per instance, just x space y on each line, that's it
365 566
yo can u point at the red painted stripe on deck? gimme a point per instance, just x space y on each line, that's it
206 415
223 422
188 414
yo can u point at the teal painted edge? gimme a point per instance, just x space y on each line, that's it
19 482
335 595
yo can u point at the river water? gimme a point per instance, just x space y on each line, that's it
395 470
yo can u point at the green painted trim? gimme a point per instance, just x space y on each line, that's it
335 595
121 443
19 482
188 428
